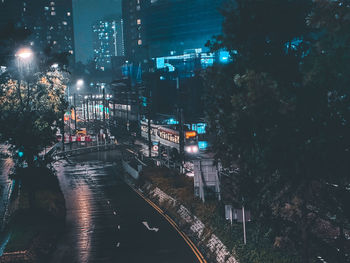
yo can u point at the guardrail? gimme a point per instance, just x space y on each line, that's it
84 150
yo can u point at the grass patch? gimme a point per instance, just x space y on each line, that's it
24 229
40 216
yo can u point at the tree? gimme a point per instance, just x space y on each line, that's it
280 111
31 111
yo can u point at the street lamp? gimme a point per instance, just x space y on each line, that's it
24 54
80 83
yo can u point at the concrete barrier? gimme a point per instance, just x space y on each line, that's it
211 242
131 171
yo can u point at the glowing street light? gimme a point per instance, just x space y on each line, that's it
80 83
24 53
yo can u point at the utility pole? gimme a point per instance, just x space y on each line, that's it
87 109
95 114
104 112
83 107
114 117
75 113
181 132
244 231
149 95
63 133
127 110
149 134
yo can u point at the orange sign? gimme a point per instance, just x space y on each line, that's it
190 134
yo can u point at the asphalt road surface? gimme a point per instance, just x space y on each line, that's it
108 222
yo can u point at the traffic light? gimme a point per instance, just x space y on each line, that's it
20 152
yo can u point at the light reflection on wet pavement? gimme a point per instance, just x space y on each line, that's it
104 218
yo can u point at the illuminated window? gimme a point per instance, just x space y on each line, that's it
139 21
139 42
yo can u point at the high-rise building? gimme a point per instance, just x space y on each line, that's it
108 42
133 13
50 21
158 28
9 12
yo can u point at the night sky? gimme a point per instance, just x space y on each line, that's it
86 12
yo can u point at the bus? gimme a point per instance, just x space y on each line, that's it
168 135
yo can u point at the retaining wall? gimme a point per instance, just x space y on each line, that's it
213 243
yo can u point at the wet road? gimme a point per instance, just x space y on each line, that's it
106 218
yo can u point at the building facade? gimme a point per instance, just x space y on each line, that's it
134 31
49 21
160 28
108 42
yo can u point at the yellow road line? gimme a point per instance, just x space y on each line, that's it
171 221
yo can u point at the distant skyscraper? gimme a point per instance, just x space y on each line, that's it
50 21
108 42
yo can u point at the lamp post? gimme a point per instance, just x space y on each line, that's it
79 85
24 57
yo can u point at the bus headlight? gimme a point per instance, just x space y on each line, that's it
191 149
195 149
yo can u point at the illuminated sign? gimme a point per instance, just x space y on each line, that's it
190 134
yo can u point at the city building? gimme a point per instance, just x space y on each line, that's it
167 39
108 43
132 12
159 28
10 12
49 21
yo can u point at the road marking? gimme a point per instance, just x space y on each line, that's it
148 227
189 242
